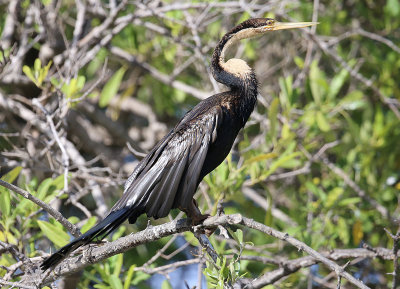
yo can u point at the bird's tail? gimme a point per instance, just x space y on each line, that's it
100 231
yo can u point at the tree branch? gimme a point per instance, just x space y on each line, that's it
153 233
57 215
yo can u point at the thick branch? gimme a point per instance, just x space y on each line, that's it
154 233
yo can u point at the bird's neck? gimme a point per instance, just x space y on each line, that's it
234 73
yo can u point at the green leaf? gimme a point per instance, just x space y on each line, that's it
299 62
261 157
268 216
352 101
337 83
343 230
46 2
55 82
129 276
81 82
111 87
278 163
28 72
166 285
11 175
97 62
285 132
5 202
118 264
72 87
43 188
139 277
357 232
315 89
89 224
349 201
101 286
115 282
273 116
285 95
316 191
54 233
393 7
333 196
318 83
73 220
37 66
322 122
5 197
59 182
43 73
238 235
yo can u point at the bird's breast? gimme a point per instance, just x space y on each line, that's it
221 146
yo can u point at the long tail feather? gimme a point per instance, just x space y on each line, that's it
100 231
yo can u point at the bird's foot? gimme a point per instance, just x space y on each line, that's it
198 219
195 214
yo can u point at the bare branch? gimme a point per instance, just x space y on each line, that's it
158 75
150 234
57 215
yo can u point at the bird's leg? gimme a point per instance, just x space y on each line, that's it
194 213
197 217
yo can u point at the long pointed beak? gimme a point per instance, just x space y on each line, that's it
290 25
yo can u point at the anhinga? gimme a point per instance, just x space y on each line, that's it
168 176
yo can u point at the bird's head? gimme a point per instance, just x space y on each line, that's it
234 71
258 26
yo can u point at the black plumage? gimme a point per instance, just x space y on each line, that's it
168 176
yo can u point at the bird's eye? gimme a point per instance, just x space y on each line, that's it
270 22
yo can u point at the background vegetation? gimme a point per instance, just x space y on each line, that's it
86 87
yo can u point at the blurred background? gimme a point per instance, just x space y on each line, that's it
88 87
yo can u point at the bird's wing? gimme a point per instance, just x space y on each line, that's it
168 176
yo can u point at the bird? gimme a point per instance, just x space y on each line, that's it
168 176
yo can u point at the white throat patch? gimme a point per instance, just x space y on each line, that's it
236 67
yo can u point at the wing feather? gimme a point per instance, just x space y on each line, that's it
166 189
168 177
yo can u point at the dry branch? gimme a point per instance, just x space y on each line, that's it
56 214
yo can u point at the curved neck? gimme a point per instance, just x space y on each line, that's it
235 73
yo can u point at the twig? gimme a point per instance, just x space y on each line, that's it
169 267
10 24
367 34
160 252
310 46
57 215
396 247
206 245
64 155
287 267
391 103
302 246
139 155
361 193
13 249
16 284
262 202
92 87
158 75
